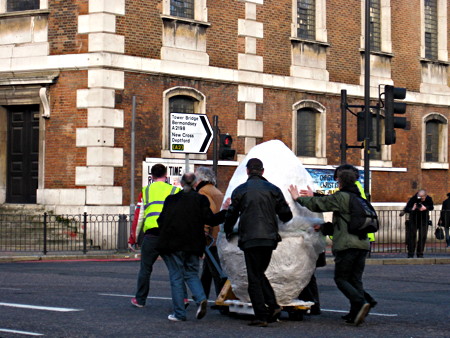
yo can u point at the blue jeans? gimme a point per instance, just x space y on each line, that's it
148 257
183 268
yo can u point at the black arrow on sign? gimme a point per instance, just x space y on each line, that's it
208 133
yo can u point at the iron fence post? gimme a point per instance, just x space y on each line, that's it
85 232
45 233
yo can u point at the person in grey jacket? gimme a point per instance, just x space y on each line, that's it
349 250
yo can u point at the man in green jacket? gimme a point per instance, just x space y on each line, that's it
349 250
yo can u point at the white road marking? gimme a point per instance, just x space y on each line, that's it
14 289
371 313
35 307
211 301
21 332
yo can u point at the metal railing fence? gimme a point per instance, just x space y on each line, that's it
87 233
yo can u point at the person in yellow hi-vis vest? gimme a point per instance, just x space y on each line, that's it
153 197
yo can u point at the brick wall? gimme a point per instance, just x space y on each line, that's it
406 44
63 26
61 153
144 39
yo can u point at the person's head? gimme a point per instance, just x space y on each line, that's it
448 195
255 167
346 178
346 167
422 194
187 181
159 171
205 174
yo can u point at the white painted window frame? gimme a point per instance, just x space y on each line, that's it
199 108
321 20
321 150
43 4
442 30
200 10
443 145
385 16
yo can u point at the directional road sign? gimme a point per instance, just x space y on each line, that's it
189 133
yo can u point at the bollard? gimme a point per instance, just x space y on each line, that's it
122 233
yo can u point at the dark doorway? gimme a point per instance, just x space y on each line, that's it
23 154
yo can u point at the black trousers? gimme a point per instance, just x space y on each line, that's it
261 294
416 225
210 273
349 268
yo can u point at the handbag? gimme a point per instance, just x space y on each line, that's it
439 233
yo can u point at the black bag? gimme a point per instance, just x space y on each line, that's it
363 217
439 233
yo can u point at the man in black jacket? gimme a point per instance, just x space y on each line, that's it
182 241
258 202
418 208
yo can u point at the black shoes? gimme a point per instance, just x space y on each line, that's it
258 323
201 311
275 315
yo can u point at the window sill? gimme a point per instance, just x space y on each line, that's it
378 163
34 12
378 53
313 160
310 42
435 165
437 62
184 20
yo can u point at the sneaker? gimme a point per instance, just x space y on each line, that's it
258 323
201 311
346 317
172 318
362 314
134 302
186 303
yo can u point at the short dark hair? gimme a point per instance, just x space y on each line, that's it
159 170
255 166
346 177
346 167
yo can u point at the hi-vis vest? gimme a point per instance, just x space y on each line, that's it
153 197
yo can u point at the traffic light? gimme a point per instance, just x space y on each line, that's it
360 126
391 108
225 151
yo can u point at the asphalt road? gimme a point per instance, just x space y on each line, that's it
92 299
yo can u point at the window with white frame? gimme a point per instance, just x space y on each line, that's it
435 141
431 29
306 19
309 119
182 8
375 25
179 100
22 5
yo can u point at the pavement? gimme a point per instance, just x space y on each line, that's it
375 259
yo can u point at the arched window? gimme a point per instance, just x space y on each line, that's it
306 132
435 142
309 139
179 100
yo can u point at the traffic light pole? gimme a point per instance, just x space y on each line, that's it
367 114
215 143
343 126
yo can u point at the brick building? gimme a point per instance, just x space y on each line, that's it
269 69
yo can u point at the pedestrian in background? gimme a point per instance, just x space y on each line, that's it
182 243
153 197
444 219
418 208
205 184
257 203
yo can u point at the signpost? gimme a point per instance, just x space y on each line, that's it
189 134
